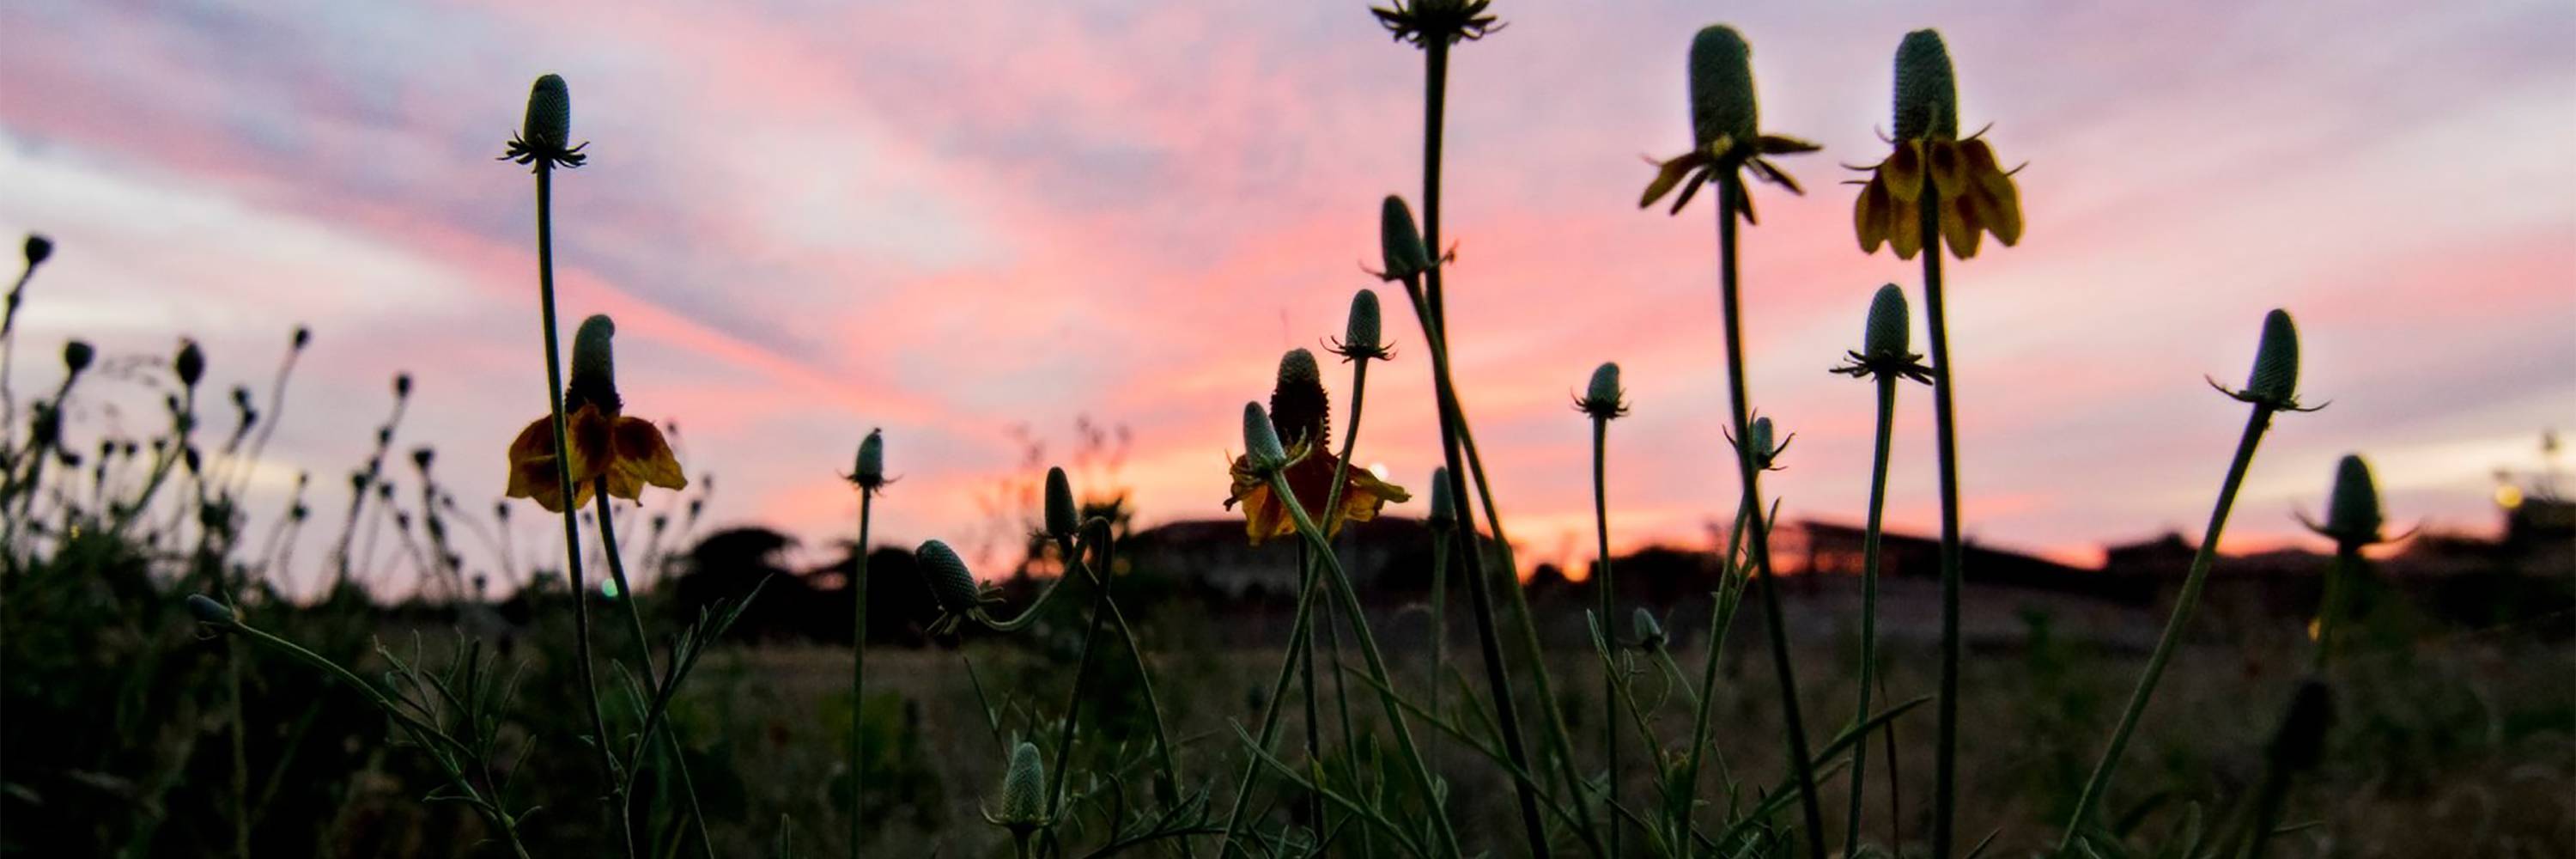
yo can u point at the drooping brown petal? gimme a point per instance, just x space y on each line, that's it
1903 171
1870 214
1942 160
639 456
1959 226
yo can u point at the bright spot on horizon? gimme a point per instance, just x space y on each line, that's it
1379 469
2508 496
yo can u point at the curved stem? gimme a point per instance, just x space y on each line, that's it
1869 549
1729 188
563 479
858 667
2094 787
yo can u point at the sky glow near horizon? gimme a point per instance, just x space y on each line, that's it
950 221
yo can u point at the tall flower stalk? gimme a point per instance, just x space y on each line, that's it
2353 522
1604 401
1934 188
543 143
868 476
2273 387
1728 143
1884 358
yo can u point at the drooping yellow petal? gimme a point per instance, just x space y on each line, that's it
640 456
1941 159
1959 226
532 464
1998 200
1903 171
1869 214
1669 174
1905 228
1363 497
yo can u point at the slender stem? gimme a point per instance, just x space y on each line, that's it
571 513
1869 549
1315 809
2340 581
1271 711
2255 424
1609 602
635 616
1081 678
1439 625
858 667
1729 188
1945 741
1721 617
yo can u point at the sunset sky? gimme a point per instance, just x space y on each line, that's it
950 219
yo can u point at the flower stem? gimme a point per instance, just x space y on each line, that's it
2340 581
1609 599
858 666
1081 675
1869 548
2255 424
1945 741
643 644
1728 596
1315 808
571 513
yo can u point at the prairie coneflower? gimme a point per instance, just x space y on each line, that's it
1975 195
1300 414
628 452
1726 135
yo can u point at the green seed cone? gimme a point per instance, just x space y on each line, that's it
1444 511
1721 86
1927 96
1400 240
549 122
594 366
1361 334
950 583
869 471
2276 361
2352 512
208 611
1260 440
1605 384
1888 329
1062 517
1650 632
1024 787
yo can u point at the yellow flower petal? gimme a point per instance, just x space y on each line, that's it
1959 226
1998 200
1903 171
1869 214
1941 158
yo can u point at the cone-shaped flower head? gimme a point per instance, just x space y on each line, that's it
1062 516
1400 240
629 452
1299 410
869 471
1650 632
76 356
1973 195
38 249
545 136
2275 379
190 365
1603 399
950 582
1721 86
1261 440
1361 335
1765 454
1444 512
1889 326
1307 465
209 612
2352 511
1927 94
1023 790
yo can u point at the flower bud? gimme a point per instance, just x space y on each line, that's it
1260 440
191 363
1927 98
1721 87
211 613
1361 334
1650 632
1023 789
950 583
594 367
869 471
1062 517
1888 329
549 122
1759 440
1604 399
38 249
1400 241
2275 379
303 337
2352 512
402 385
1444 512
76 356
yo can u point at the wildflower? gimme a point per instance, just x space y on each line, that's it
868 473
1062 516
543 136
951 584
1361 335
2352 510
1399 242
1725 134
1604 399
1446 22
2274 383
1292 437
1766 456
1885 351
626 452
1023 792
1975 195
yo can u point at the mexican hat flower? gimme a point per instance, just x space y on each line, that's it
1299 416
1725 130
625 453
1975 195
